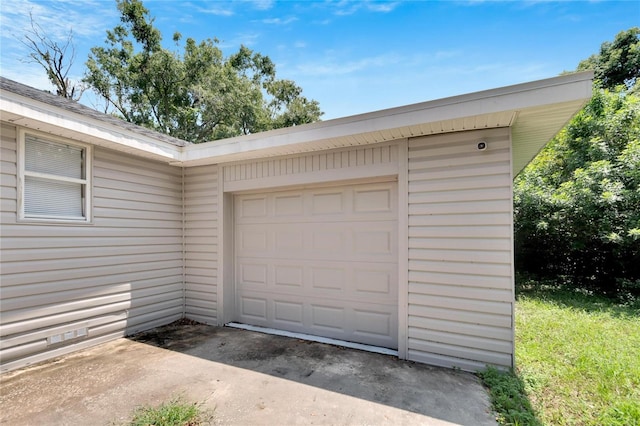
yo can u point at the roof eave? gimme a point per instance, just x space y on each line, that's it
519 106
536 111
43 117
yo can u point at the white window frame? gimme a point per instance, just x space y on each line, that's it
86 182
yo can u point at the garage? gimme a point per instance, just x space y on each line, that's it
320 261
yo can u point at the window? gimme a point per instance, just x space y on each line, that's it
54 178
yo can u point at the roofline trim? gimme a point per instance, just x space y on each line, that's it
577 85
509 98
53 115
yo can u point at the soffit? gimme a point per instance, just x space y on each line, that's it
535 127
536 110
226 154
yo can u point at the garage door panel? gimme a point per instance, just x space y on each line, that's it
359 322
317 219
373 200
288 238
253 308
350 281
252 239
328 280
375 283
356 202
372 323
328 203
288 312
328 240
288 276
287 205
321 261
350 241
373 242
252 207
328 317
253 274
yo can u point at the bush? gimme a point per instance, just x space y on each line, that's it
577 205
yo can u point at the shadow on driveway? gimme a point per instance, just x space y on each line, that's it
246 377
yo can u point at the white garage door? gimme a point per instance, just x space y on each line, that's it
320 261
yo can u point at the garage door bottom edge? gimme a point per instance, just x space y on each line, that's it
313 338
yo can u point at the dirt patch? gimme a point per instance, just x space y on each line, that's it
178 336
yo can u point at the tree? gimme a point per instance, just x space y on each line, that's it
618 62
197 95
55 58
577 205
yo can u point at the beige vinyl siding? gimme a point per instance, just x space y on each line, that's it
119 275
8 171
311 163
201 243
460 250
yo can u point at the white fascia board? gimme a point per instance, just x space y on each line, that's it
511 98
46 115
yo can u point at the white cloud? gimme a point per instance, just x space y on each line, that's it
349 7
279 21
29 74
88 21
263 4
382 7
215 9
247 39
332 67
86 18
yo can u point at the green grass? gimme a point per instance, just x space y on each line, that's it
176 412
578 362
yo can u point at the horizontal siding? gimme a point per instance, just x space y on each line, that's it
308 163
201 243
460 250
119 275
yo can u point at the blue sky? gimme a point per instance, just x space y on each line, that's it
353 56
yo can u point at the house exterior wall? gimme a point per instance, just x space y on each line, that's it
155 251
460 295
201 243
456 289
89 283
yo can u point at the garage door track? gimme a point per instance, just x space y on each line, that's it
246 378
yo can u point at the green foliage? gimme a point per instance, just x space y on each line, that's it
173 413
618 62
197 95
577 205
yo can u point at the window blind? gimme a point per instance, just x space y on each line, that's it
53 158
54 179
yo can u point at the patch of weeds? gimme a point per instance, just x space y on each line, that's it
176 412
509 398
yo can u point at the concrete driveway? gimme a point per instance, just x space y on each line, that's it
248 378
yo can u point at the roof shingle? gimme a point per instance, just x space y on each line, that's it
73 106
